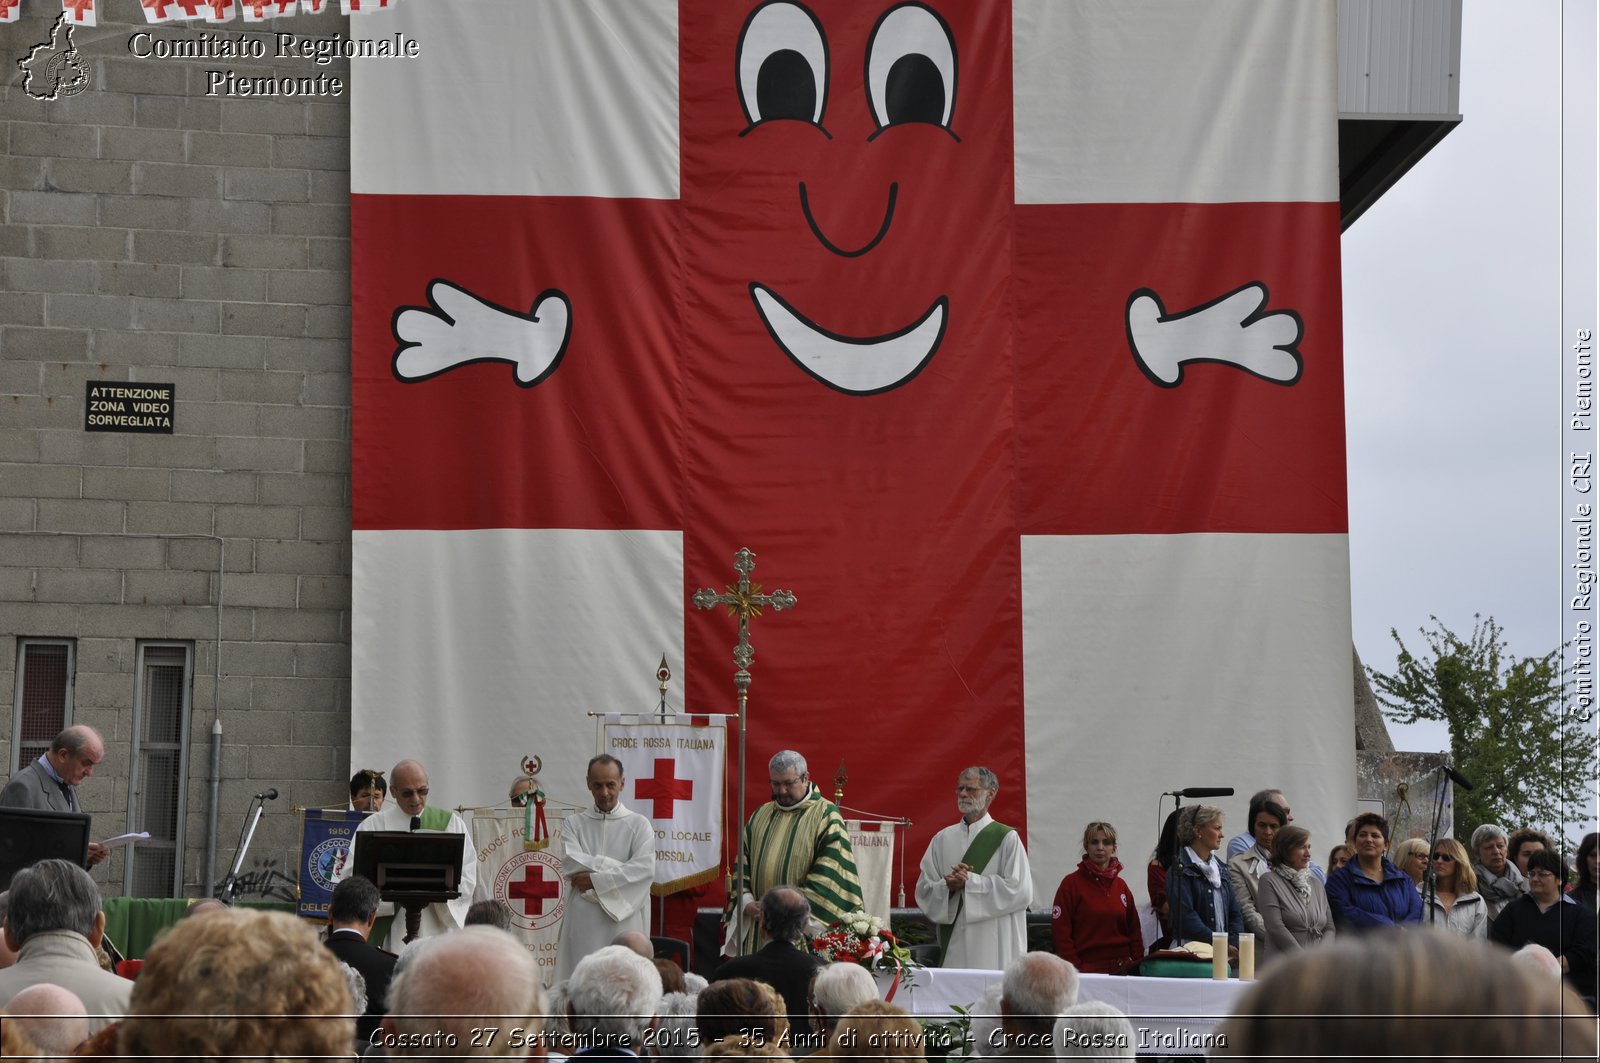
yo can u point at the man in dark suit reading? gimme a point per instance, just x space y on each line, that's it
50 783
351 914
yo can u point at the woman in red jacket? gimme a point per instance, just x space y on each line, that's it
1096 923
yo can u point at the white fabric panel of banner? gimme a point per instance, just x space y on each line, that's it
473 649
474 88
1101 119
674 774
528 883
1158 662
874 865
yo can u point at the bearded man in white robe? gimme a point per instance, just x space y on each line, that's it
608 861
975 884
409 811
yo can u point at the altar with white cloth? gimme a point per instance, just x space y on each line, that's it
1172 1016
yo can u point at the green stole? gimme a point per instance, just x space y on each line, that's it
979 852
435 818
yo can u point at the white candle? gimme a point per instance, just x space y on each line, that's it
1219 957
1247 957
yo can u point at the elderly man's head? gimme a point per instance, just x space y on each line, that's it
241 977
837 988
464 981
637 942
408 785
1095 1030
53 1018
784 913
605 781
1037 988
790 780
53 895
975 790
75 752
613 996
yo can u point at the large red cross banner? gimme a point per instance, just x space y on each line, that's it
675 778
1005 332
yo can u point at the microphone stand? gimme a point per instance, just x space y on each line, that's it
1175 880
1430 877
230 885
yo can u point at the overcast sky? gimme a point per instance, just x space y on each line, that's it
1453 362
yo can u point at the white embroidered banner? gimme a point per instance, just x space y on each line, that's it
527 883
674 777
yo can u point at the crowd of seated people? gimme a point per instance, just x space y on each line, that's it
230 982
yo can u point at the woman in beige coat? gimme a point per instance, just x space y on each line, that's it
1292 903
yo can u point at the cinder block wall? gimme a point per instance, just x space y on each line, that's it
152 233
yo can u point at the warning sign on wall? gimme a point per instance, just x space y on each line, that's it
126 406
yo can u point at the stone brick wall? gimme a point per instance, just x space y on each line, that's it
151 233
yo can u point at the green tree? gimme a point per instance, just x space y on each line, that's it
1511 731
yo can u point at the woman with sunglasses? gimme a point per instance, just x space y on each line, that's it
1456 904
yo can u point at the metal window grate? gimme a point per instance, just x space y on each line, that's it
44 689
159 767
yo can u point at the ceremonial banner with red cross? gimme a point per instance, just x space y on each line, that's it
528 883
675 778
1006 333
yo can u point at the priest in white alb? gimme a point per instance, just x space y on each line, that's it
410 811
608 860
975 884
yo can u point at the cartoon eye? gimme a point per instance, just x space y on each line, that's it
911 68
783 65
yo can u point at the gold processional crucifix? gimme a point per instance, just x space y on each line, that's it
744 600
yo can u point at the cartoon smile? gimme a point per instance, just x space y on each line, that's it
855 365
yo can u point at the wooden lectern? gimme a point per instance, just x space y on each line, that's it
412 869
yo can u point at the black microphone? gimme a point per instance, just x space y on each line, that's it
1201 791
1456 777
416 822
271 794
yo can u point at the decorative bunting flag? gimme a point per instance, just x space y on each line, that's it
82 11
160 11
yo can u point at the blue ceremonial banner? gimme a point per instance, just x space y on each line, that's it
324 845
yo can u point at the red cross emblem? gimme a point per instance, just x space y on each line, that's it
8 10
157 9
664 789
533 889
82 10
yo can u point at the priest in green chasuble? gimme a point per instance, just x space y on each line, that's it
799 839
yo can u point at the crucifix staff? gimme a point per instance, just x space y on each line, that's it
744 600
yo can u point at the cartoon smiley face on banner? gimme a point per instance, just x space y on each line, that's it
868 309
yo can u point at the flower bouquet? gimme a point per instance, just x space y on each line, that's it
862 938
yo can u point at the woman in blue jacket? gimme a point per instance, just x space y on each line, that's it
1204 893
1370 891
